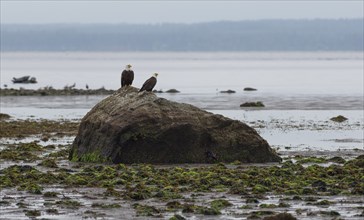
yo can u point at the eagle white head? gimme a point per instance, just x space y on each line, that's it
155 75
128 67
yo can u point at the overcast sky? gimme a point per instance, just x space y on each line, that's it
176 11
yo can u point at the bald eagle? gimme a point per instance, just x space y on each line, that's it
127 76
150 83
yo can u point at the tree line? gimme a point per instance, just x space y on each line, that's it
261 35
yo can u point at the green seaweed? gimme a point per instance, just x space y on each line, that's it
50 163
220 204
93 157
50 194
177 217
32 213
106 206
68 203
145 210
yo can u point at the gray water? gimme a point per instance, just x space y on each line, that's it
304 89
270 72
301 92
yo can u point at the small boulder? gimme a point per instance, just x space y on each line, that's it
157 91
338 118
139 127
249 89
4 116
172 91
252 104
228 91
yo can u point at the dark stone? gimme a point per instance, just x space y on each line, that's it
252 104
320 185
131 127
157 91
338 118
281 216
4 116
172 91
228 91
249 89
337 160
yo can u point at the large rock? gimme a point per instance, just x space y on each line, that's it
132 127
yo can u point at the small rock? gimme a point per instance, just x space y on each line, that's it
157 91
4 116
172 91
249 89
338 118
228 91
281 216
177 217
337 160
252 104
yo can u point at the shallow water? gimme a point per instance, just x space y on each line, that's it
269 72
301 91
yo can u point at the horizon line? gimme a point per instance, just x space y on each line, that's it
183 23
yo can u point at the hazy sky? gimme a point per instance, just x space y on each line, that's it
44 11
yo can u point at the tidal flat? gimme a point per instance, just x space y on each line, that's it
39 182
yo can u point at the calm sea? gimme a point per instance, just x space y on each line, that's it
289 72
289 80
300 89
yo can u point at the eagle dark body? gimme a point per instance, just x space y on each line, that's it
127 77
149 84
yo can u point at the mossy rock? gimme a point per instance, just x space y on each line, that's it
281 216
220 204
339 118
253 104
146 210
4 116
32 213
132 127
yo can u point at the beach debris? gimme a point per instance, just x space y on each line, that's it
24 79
339 118
249 89
228 91
252 104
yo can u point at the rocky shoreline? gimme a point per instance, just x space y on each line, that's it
35 166
49 91
67 91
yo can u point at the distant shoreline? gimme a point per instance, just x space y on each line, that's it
253 35
54 92
50 91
